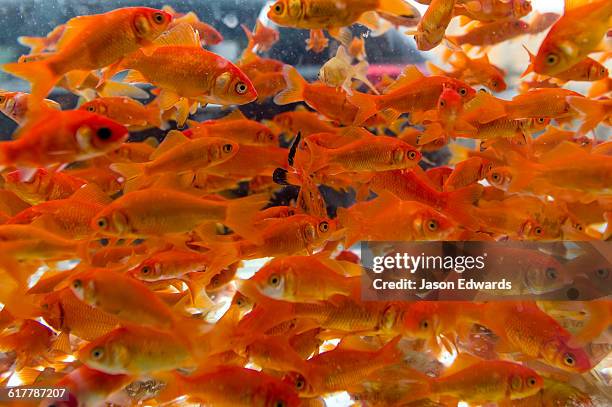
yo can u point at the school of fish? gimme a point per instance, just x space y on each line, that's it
122 261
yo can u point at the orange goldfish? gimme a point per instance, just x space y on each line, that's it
70 217
63 311
234 126
136 349
92 387
411 92
262 38
372 221
491 33
79 50
334 15
126 111
432 27
474 71
378 153
587 70
41 44
304 121
15 105
302 279
523 327
555 392
178 154
43 185
159 211
493 10
468 172
28 242
251 161
594 111
30 342
60 137
546 102
577 33
105 178
357 49
208 34
210 77
232 386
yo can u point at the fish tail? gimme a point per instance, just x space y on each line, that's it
134 174
40 75
531 62
241 213
460 202
398 8
294 92
593 111
361 74
196 283
318 157
367 105
351 225
434 69
36 44
112 89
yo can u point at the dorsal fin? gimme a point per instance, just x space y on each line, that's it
181 34
562 151
189 18
173 139
91 193
410 74
74 27
235 115
169 9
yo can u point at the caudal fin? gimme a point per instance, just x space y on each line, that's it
133 174
294 91
460 203
36 44
593 111
240 215
367 105
39 74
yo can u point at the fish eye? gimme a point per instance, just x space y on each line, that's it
279 403
538 230
227 148
300 383
540 120
278 8
494 84
274 280
579 227
158 18
412 155
145 270
97 353
551 273
290 212
324 226
602 273
102 223
104 133
495 177
442 103
239 302
463 91
77 284
424 324
569 359
432 225
531 381
241 88
552 59
91 108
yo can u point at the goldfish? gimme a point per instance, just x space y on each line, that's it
79 136
41 44
356 49
233 386
588 70
334 16
547 339
432 27
262 38
179 50
207 33
411 92
368 221
43 185
178 154
555 392
304 121
78 51
124 217
491 10
30 341
474 72
567 43
234 126
491 33
15 105
126 111
339 72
